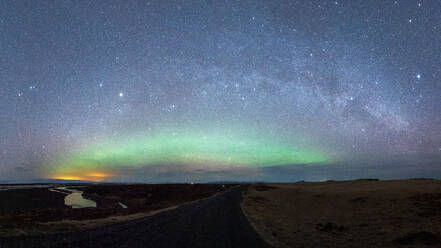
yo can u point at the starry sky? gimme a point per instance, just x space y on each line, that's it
221 90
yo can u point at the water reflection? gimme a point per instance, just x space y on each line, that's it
122 205
75 198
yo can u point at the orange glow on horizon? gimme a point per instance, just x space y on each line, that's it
93 176
68 178
98 174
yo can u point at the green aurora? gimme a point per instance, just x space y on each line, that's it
101 158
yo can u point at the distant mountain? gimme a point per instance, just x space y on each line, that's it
38 181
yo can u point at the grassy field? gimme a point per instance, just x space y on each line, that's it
361 213
22 200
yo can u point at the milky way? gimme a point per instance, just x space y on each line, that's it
220 90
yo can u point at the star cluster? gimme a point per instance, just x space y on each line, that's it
313 89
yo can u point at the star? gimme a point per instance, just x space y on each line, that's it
298 83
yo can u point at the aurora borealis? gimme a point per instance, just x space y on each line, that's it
95 161
179 91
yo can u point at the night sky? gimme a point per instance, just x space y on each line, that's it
166 91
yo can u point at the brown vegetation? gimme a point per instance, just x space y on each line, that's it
361 213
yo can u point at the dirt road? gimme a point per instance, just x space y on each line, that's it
213 222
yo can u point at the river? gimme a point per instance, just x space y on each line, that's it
75 198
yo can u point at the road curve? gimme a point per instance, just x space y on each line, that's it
213 222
